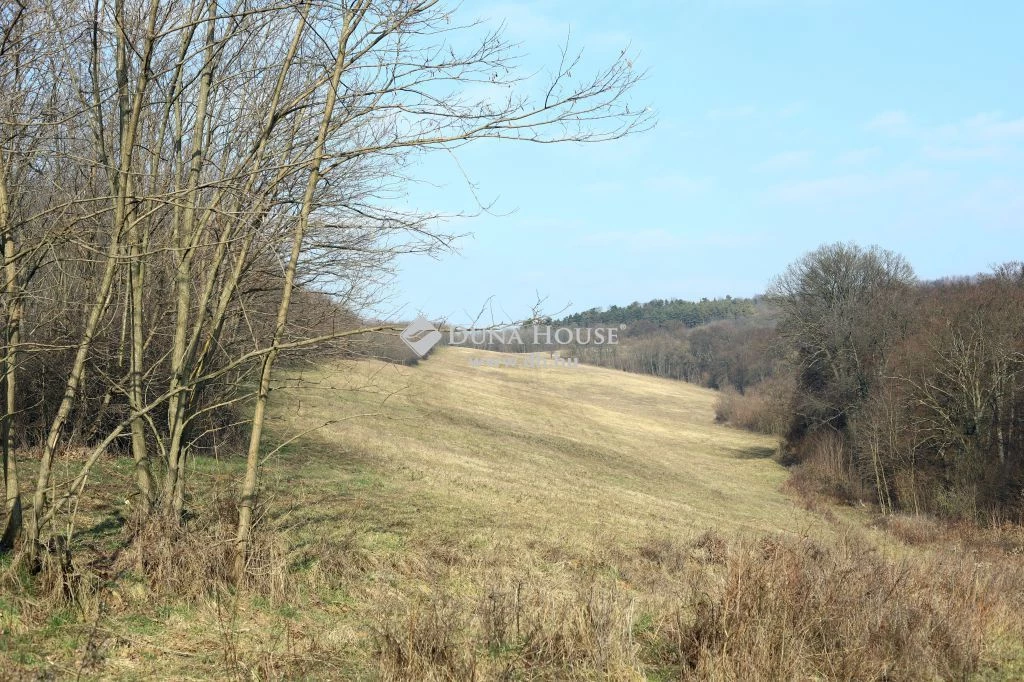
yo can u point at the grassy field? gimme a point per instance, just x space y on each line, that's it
448 521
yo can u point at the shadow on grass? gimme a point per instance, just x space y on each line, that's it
110 525
755 452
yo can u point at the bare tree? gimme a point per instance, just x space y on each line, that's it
841 309
212 161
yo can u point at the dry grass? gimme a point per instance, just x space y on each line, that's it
458 522
763 408
786 609
629 451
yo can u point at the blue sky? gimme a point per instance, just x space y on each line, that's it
782 124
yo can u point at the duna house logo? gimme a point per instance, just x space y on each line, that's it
420 336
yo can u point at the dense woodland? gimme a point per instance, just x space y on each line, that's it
713 342
883 388
906 393
662 313
737 349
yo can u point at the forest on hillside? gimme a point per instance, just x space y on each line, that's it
663 313
882 387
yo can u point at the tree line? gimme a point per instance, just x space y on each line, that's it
737 350
881 387
906 393
663 313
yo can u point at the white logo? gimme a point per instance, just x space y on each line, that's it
420 336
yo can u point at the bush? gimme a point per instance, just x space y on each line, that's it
789 608
763 408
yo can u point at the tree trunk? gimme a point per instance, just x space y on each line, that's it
249 484
12 505
144 478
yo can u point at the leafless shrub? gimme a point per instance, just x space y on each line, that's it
711 547
590 630
667 552
824 469
794 609
913 530
425 642
193 561
763 408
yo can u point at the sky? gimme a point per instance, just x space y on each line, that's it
782 125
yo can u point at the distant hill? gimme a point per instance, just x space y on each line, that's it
665 312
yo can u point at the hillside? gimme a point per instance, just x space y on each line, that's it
446 521
626 451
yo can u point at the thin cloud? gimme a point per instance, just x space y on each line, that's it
521 20
991 125
981 126
792 109
943 153
526 21
661 239
791 160
998 203
985 135
731 113
604 187
889 121
680 184
858 156
637 240
845 187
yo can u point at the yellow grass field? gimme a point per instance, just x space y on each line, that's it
521 454
449 521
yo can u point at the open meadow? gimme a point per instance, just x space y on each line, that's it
447 521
